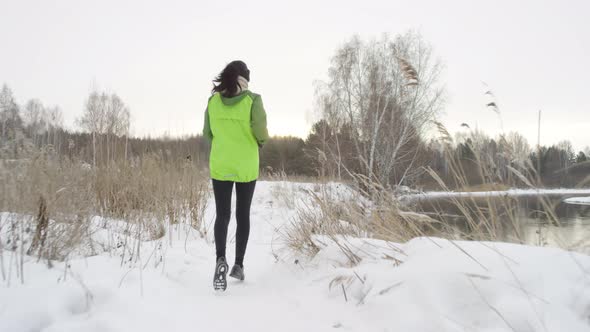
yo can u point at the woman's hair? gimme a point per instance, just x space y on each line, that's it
227 81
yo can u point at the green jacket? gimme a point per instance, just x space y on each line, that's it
236 127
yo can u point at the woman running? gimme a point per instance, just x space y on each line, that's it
235 123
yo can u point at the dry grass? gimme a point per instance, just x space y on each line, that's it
338 216
373 211
53 204
281 176
322 214
494 218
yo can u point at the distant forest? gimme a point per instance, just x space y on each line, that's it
32 129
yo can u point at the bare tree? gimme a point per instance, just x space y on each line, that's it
8 112
386 92
567 155
34 117
54 123
519 149
11 122
117 121
105 116
92 119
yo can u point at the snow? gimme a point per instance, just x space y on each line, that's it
578 200
508 193
426 284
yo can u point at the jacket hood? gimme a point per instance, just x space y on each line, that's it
235 99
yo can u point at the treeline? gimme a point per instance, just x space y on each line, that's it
559 165
507 156
34 127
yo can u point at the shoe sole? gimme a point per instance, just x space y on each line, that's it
219 279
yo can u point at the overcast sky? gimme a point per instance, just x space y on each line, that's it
160 57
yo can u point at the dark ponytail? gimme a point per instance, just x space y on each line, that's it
227 81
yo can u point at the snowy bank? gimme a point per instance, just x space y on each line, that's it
497 193
433 284
578 200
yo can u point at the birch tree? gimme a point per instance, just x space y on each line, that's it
34 117
106 117
9 113
386 92
10 121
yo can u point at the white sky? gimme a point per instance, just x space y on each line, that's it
160 56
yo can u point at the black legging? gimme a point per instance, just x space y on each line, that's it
244 192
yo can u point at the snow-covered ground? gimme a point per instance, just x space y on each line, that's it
427 284
578 200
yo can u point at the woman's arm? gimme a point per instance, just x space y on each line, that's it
207 128
258 121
